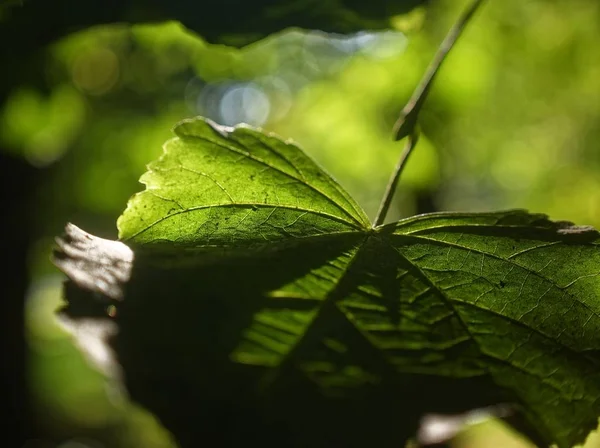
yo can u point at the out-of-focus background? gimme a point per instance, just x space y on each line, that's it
512 122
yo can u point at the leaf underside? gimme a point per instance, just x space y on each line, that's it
510 297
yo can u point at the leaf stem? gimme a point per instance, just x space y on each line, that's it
393 182
406 125
408 117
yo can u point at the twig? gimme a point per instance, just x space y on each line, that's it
393 183
406 125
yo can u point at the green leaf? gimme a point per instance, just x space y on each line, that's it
524 292
292 285
228 22
217 188
246 22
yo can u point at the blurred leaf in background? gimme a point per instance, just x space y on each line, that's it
512 121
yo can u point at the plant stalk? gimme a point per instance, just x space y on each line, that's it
411 142
406 125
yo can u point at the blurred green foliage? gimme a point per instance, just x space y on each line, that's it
512 121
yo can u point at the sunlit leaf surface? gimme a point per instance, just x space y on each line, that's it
286 287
